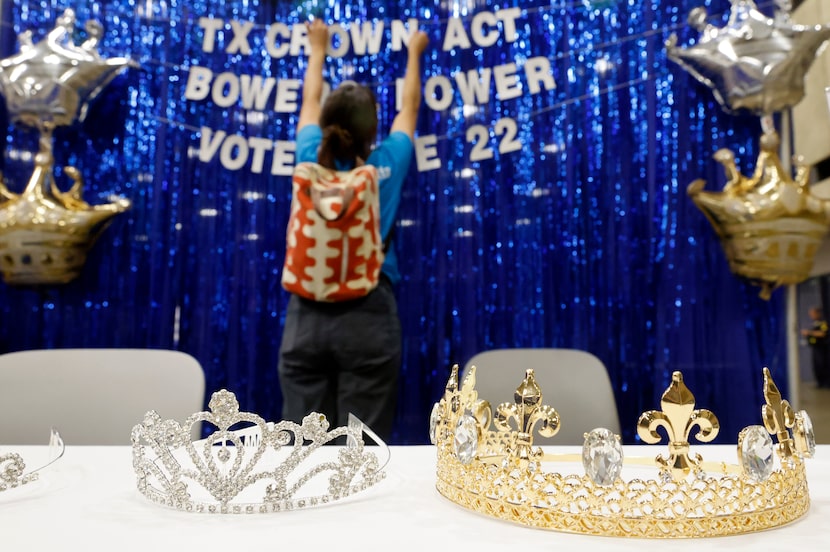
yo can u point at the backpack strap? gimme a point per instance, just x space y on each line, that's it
388 241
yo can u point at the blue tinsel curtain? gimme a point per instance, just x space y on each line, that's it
557 217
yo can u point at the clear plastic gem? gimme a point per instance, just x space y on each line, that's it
602 456
466 438
224 455
804 427
756 452
433 423
283 438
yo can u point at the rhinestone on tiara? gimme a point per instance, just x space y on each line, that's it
506 477
13 471
248 465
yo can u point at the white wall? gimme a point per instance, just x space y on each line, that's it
811 117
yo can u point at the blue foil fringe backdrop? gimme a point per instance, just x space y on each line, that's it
582 238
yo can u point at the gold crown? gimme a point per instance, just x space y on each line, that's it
770 225
45 233
498 472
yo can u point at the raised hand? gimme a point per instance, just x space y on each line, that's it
318 35
418 42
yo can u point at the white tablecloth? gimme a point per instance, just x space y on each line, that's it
88 501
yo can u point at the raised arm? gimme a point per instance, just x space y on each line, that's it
318 37
407 117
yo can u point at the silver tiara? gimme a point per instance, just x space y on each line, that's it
13 469
247 465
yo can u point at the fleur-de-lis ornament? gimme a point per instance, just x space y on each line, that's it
479 408
451 391
678 418
778 416
526 411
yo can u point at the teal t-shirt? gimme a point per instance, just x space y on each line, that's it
391 158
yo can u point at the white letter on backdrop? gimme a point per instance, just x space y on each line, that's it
256 91
537 69
230 160
259 145
426 154
287 95
219 96
198 83
507 82
299 40
477 29
400 34
455 35
434 83
338 35
209 143
239 44
474 86
283 163
508 18
211 27
366 37
276 30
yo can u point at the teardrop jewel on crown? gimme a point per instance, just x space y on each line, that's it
489 464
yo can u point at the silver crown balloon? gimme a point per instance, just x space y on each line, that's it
249 466
45 233
753 62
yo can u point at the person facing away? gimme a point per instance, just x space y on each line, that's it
338 358
819 342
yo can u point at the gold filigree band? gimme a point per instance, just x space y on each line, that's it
493 468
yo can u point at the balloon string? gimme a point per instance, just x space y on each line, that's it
436 22
385 83
597 47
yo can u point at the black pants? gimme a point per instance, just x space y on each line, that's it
341 358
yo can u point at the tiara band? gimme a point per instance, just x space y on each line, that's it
487 463
261 467
13 469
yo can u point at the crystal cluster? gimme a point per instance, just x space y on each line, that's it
13 469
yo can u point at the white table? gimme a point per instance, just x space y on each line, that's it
88 501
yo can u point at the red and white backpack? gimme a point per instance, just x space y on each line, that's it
334 249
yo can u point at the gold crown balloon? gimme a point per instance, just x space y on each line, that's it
770 225
45 233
